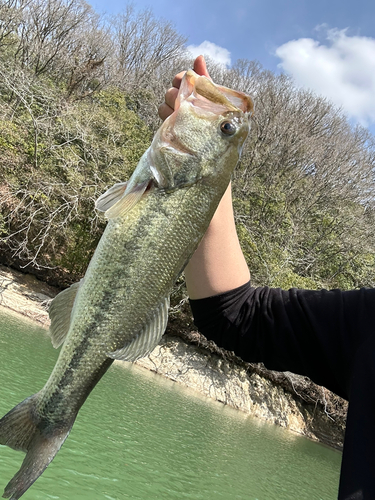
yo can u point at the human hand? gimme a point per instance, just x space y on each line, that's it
167 107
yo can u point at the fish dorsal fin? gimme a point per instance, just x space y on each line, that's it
148 338
60 311
110 197
117 201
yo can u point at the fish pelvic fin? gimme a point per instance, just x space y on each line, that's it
21 429
148 338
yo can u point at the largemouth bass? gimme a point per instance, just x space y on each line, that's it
119 310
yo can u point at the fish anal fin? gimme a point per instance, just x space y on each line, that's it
148 338
60 311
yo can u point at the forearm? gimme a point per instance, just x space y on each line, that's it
218 265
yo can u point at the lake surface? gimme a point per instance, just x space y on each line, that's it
140 436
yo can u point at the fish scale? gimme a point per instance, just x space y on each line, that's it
120 308
156 279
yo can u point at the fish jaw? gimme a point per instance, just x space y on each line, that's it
194 86
191 143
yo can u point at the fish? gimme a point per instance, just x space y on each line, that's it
119 310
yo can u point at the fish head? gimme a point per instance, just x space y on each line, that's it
204 135
200 142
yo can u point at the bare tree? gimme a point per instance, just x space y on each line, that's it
304 188
11 18
304 191
142 45
63 38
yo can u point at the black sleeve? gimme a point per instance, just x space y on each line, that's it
309 332
328 336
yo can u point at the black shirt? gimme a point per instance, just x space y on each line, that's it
328 336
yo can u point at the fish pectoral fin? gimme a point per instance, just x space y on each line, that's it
117 200
60 311
110 197
148 338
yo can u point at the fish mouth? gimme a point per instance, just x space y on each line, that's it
218 98
206 98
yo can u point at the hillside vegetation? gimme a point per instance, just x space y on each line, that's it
79 94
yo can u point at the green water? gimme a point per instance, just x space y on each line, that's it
142 437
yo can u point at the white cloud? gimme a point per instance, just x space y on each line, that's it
215 52
343 70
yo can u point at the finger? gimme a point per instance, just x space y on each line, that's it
177 79
164 111
200 66
171 96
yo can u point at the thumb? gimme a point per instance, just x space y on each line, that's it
200 66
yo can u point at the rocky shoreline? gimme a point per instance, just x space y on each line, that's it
26 295
186 357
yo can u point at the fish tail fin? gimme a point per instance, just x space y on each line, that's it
21 429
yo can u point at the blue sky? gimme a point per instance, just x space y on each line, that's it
326 45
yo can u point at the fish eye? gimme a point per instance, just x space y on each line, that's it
228 128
